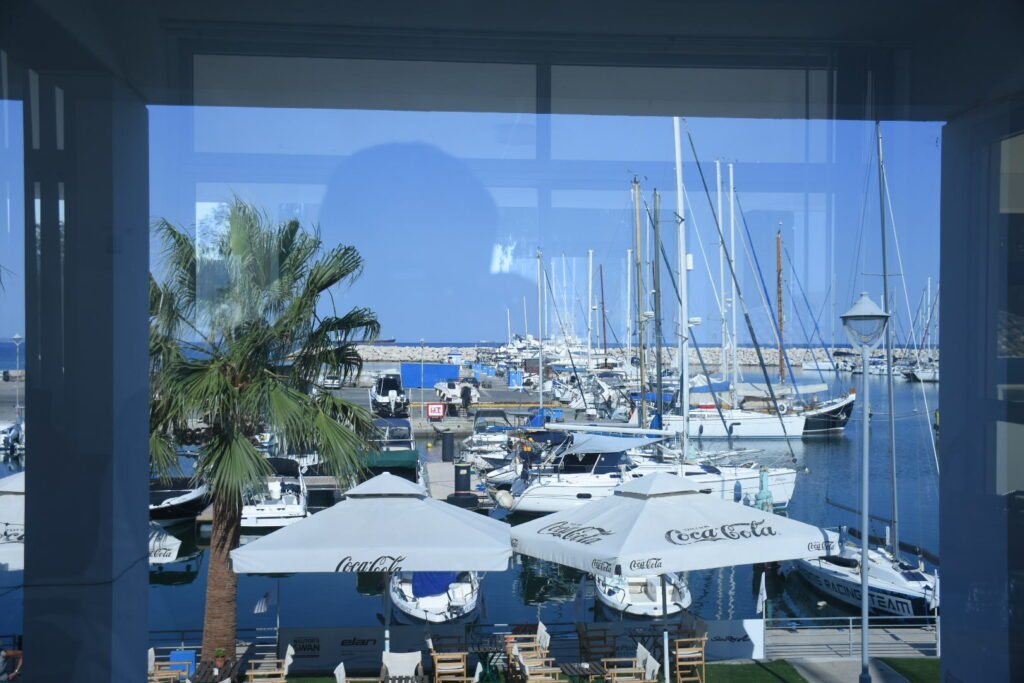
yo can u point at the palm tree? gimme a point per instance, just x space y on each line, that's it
236 342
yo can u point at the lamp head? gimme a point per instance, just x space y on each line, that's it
864 322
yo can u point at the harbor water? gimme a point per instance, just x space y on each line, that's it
829 471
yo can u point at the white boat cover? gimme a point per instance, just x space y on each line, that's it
385 524
586 442
760 390
661 523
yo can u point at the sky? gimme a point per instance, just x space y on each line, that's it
449 210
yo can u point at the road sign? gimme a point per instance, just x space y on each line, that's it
435 411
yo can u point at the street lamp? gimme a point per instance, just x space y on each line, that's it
864 324
17 339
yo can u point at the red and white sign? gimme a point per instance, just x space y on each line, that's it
435 411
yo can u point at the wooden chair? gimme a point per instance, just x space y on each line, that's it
626 668
536 670
162 671
271 670
689 659
595 643
450 666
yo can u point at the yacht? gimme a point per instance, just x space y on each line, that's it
388 397
590 469
895 588
280 501
176 499
641 595
434 597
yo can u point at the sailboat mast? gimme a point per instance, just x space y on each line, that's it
888 344
540 327
604 315
590 306
508 321
778 299
526 319
732 269
656 277
629 304
684 313
640 304
723 355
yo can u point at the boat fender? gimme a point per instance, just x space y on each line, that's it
783 407
504 499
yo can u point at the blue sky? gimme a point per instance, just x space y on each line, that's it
449 209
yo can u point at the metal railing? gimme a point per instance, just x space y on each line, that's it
841 637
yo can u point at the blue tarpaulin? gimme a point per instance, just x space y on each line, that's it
432 374
432 583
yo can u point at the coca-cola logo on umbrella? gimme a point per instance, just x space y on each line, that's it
726 532
383 563
577 533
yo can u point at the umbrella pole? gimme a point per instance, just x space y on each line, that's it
664 616
387 614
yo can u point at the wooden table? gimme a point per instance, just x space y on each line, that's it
583 671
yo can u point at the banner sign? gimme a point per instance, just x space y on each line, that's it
735 639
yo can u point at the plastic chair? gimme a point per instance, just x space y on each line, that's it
183 661
401 664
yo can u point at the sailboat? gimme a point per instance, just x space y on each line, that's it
895 587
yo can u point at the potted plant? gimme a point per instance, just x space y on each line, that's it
219 657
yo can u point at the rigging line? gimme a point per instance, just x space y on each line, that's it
860 232
808 305
906 297
765 298
704 255
743 303
568 349
800 320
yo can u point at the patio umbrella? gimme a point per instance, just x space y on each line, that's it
386 524
661 523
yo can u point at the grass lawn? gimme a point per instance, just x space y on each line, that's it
757 672
916 669
769 672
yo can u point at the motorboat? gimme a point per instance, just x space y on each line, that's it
12 436
279 501
641 595
895 588
435 597
591 468
395 450
176 499
388 397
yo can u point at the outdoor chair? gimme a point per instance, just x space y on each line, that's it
162 672
535 671
449 666
627 668
183 662
401 664
534 647
340 677
689 659
595 643
266 670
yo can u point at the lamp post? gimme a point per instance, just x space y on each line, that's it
17 339
423 401
864 324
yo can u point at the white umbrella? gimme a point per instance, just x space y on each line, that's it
661 523
386 524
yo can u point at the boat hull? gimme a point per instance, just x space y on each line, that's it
844 586
706 423
830 418
641 598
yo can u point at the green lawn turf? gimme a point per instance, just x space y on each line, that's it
916 669
756 672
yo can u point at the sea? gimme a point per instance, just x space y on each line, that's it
827 483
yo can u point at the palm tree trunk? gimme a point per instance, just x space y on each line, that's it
220 621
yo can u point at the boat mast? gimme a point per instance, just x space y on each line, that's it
590 305
684 313
508 316
723 354
604 315
566 306
888 345
629 305
778 298
526 319
656 277
540 326
732 264
640 303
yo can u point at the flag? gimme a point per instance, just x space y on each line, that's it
762 595
268 600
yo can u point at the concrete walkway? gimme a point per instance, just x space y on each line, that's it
833 670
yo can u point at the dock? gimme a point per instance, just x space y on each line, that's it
440 480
